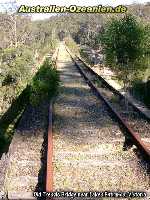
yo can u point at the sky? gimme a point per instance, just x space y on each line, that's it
70 2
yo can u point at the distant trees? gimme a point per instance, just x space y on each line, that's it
8 30
124 41
22 44
61 35
88 30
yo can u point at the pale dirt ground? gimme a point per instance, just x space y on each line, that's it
88 143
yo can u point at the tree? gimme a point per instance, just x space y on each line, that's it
123 42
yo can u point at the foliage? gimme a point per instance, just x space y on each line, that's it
146 42
141 91
16 71
35 38
122 40
125 47
46 47
45 84
19 52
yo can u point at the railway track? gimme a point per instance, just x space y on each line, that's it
116 92
62 157
131 118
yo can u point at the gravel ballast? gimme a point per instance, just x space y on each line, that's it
88 143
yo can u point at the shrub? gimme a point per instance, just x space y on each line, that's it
123 40
45 84
142 91
125 45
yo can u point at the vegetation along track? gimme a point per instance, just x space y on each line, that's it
133 120
87 149
26 169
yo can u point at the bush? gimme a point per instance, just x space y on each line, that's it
142 92
123 40
125 45
9 54
16 62
16 72
8 80
45 84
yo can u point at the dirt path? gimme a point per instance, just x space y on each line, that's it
88 143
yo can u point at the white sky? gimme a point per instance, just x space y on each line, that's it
71 2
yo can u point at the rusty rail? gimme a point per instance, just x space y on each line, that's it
49 167
136 140
49 170
113 89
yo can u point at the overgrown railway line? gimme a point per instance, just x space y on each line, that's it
135 122
131 120
84 147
